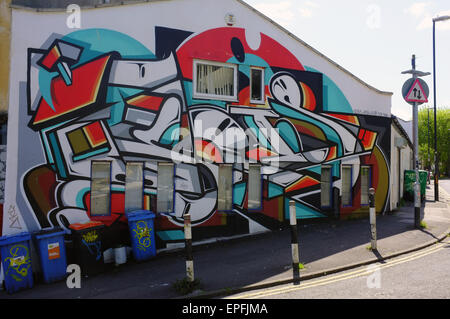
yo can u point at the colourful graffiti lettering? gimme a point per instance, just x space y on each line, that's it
113 108
142 235
91 241
18 262
94 248
90 236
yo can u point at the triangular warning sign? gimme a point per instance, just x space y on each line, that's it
416 93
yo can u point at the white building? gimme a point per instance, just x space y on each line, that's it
173 106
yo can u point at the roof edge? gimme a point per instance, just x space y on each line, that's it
402 130
95 6
107 5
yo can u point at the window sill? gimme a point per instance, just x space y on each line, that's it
215 98
258 102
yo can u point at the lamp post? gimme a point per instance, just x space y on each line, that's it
428 138
436 160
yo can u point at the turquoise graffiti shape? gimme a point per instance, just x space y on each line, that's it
96 42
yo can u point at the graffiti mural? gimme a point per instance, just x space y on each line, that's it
98 94
18 262
142 235
91 241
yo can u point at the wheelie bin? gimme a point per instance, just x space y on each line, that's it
16 261
142 234
52 254
87 247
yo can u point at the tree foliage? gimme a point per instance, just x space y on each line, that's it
426 138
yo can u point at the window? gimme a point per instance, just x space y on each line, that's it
346 185
164 202
215 80
100 188
365 184
134 182
326 186
254 186
257 85
225 188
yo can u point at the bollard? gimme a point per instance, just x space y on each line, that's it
188 245
373 219
294 242
417 202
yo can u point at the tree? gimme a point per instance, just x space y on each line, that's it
426 138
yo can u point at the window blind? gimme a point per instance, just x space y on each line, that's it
254 186
365 181
215 80
165 186
225 187
134 182
325 186
346 185
100 188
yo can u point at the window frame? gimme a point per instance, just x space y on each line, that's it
209 96
232 187
101 216
260 207
262 100
143 181
342 185
330 185
369 183
173 188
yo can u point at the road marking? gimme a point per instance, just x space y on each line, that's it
349 275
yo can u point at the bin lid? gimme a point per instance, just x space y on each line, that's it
142 213
47 233
14 238
89 224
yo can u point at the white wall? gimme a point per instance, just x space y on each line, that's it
406 154
31 29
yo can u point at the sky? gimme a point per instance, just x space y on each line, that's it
374 40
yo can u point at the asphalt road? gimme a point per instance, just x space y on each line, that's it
424 274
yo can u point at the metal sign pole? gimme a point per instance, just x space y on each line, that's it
416 168
415 91
416 155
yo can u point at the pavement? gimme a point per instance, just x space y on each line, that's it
229 266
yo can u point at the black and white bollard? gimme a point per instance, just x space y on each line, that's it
294 242
417 201
373 219
188 245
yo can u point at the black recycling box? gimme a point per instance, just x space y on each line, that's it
87 247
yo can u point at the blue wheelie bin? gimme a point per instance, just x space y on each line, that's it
16 261
142 233
52 254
